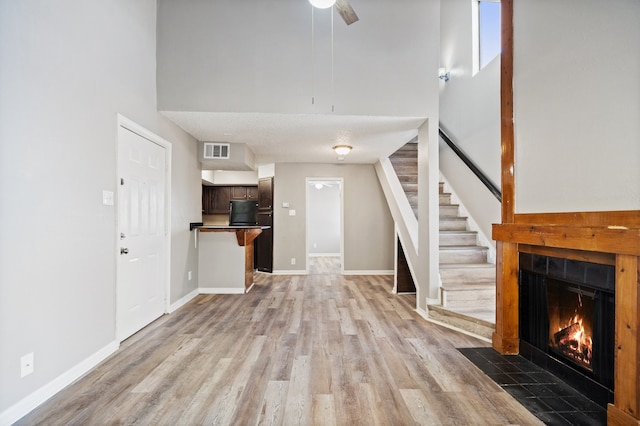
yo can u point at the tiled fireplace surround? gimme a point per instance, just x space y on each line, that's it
610 238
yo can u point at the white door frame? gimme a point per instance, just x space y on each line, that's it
307 224
134 127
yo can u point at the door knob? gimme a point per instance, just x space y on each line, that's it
124 250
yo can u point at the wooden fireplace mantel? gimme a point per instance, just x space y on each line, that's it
597 237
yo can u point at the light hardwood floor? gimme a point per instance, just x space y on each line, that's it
321 349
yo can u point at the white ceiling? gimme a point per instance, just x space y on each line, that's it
246 72
302 138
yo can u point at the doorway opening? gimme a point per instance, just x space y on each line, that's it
324 239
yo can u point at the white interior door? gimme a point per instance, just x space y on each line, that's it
141 226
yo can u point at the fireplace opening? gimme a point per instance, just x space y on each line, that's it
570 322
567 325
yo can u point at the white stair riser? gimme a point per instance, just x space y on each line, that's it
448 210
468 275
453 224
461 239
444 198
463 299
463 256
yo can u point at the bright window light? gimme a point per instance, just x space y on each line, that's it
489 31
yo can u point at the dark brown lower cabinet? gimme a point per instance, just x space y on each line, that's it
263 258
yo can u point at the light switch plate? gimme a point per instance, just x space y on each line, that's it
107 198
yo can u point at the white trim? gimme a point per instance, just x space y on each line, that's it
134 127
221 290
369 272
183 301
292 272
324 254
42 394
431 301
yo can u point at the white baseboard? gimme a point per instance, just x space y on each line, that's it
30 402
292 272
183 301
324 254
424 314
221 290
431 301
369 272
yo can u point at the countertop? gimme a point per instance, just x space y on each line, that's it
203 227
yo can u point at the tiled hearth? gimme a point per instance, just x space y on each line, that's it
543 394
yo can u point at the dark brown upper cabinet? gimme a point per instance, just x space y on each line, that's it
265 194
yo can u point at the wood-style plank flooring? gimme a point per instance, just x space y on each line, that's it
322 349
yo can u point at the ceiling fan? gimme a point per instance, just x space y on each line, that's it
342 6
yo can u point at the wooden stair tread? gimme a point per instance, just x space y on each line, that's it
457 232
468 286
474 247
466 265
478 321
477 314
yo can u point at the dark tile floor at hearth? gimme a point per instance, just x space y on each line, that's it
544 395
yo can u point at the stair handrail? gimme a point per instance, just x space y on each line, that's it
492 187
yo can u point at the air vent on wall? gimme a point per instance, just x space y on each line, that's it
218 151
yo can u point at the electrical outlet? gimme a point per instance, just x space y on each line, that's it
189 275
293 260
26 364
315 245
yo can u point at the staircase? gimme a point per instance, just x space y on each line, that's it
405 163
468 287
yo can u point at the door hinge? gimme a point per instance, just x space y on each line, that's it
121 181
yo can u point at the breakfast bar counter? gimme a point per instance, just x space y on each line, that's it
225 257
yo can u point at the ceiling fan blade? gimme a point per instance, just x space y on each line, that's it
346 11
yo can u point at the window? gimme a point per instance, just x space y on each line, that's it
488 31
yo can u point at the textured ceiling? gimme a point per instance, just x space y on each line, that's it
279 77
302 138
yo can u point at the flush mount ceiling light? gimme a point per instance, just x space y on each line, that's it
342 150
322 4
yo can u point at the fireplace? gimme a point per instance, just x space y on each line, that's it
567 321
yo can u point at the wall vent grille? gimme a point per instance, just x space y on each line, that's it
217 151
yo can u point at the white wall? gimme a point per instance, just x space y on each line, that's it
577 105
470 114
223 57
323 235
368 226
66 70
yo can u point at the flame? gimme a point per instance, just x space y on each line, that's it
577 344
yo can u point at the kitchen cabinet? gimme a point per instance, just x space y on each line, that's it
264 243
238 192
263 257
265 194
215 199
252 193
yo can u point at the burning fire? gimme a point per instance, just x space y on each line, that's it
572 340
